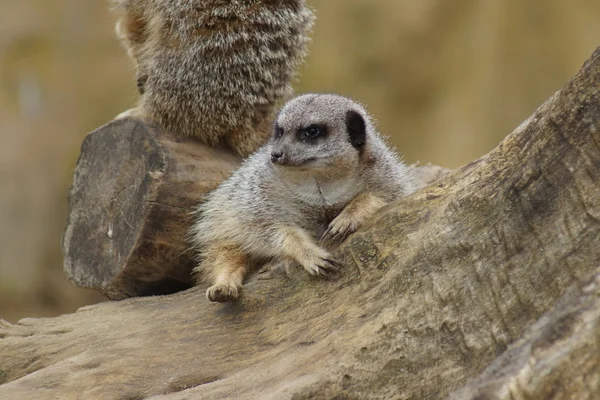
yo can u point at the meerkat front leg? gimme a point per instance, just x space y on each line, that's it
353 216
225 266
298 245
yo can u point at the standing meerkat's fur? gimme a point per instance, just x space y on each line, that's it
214 69
323 174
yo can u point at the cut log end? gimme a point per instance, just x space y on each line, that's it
130 205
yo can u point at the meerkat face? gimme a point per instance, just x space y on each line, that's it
319 132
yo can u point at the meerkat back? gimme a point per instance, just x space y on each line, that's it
214 70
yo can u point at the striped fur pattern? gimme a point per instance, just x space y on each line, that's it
214 70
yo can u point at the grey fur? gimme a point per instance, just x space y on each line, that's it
214 69
250 207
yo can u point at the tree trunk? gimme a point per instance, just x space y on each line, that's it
434 289
559 357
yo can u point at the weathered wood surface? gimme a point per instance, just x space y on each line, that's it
433 290
130 206
559 357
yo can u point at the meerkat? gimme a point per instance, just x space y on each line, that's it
324 173
213 70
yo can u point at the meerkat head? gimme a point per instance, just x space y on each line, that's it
320 132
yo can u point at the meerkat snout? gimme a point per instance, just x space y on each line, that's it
277 157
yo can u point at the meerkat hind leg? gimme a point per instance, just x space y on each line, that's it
352 217
298 245
228 267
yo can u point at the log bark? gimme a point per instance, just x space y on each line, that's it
559 357
130 206
433 291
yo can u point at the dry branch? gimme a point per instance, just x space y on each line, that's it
434 289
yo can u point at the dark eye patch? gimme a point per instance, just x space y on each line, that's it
312 132
278 131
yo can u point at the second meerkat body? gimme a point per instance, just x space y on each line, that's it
322 175
212 69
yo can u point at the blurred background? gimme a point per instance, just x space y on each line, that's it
446 80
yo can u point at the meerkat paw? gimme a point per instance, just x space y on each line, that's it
321 265
340 228
222 293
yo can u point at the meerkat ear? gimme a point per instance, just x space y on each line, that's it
357 129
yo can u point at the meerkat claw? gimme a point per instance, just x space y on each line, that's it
222 293
323 273
338 231
325 268
325 235
335 237
333 265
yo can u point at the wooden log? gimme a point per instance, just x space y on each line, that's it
557 358
133 190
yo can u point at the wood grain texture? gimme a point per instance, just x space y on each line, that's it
434 289
558 357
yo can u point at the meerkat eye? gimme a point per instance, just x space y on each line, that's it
312 132
278 131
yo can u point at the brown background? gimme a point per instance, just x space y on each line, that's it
446 80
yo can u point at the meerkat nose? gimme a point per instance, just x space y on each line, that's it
276 157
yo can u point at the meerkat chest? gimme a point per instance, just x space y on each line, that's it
327 194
